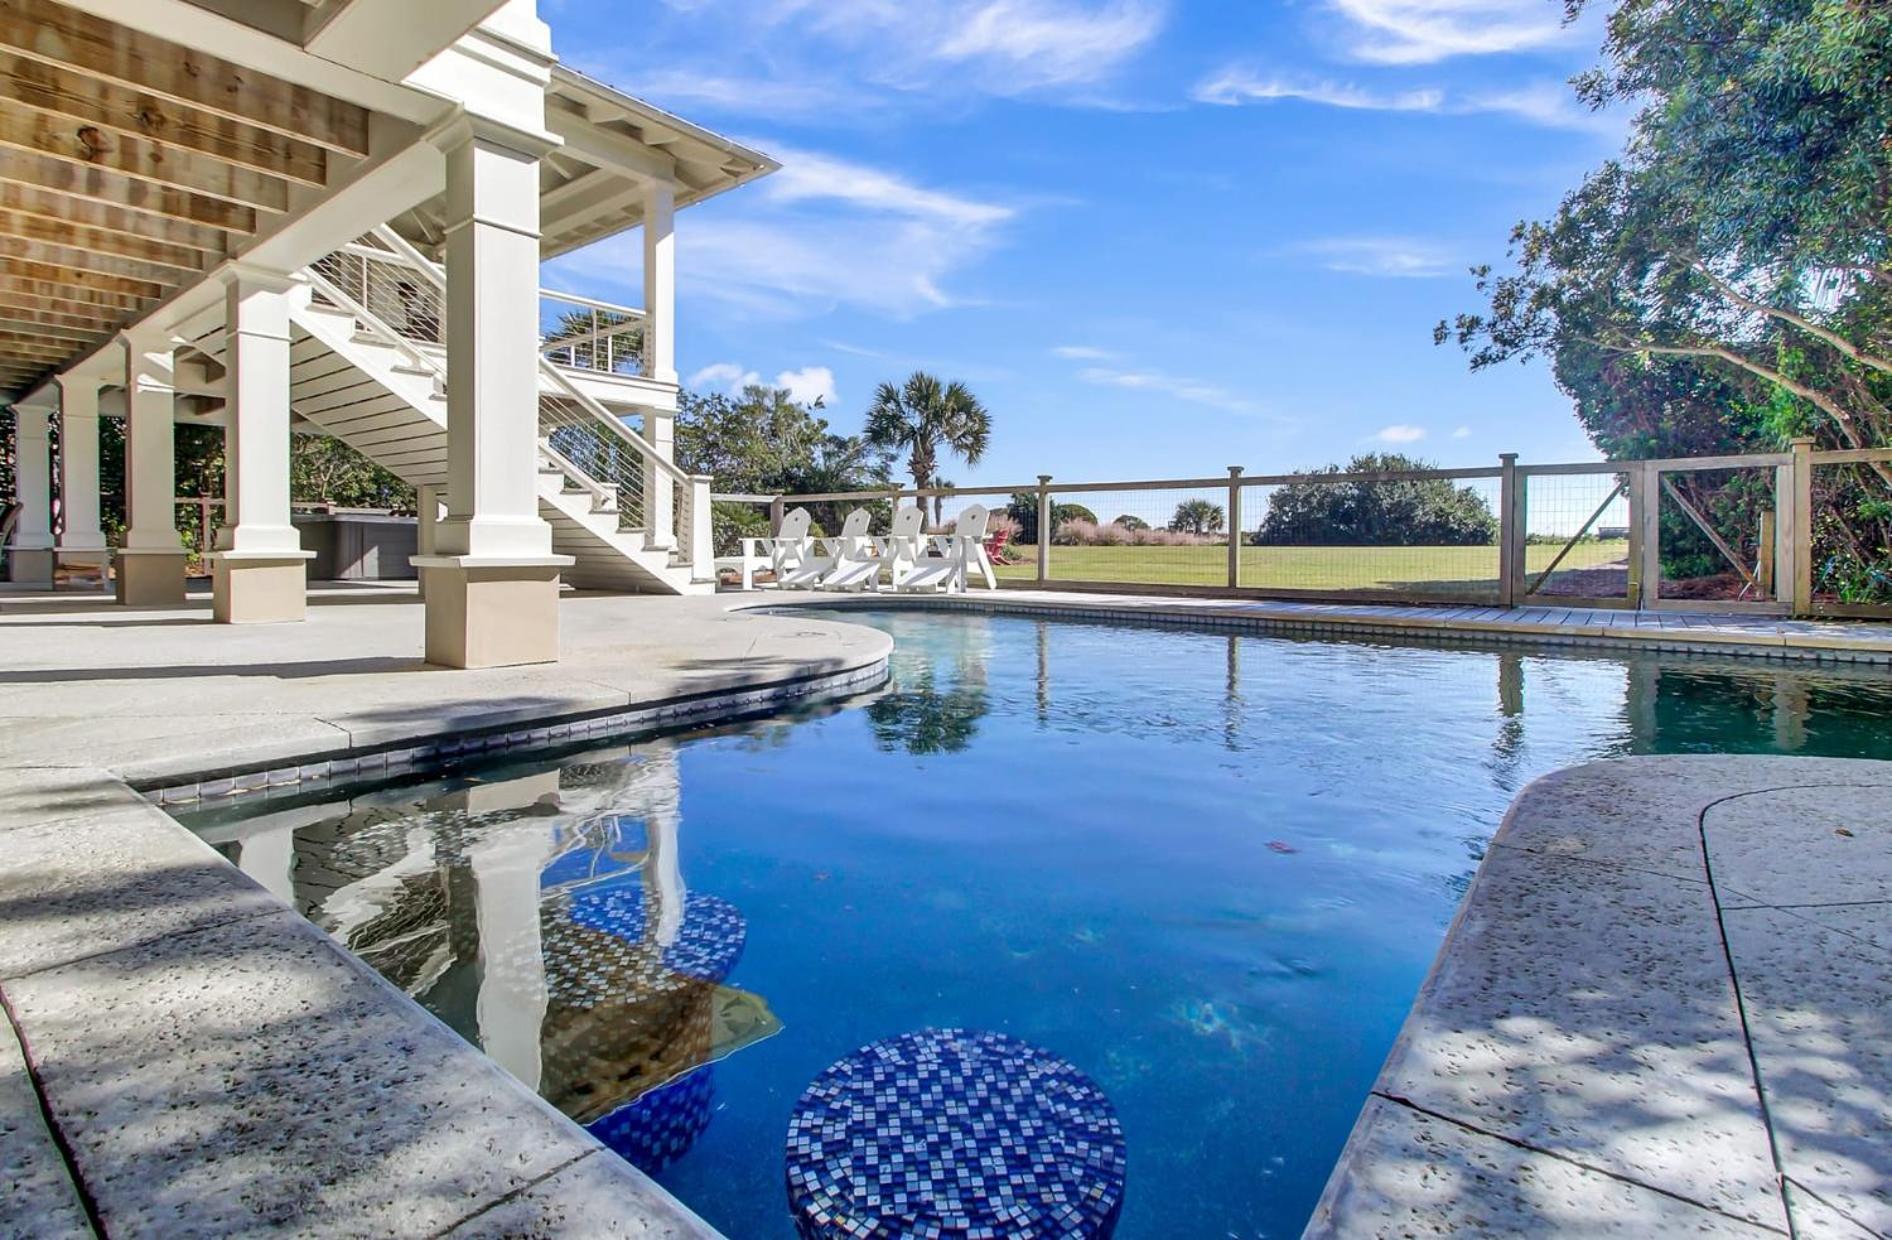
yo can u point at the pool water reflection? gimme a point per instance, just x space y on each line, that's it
1208 871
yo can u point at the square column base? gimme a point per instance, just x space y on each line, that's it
491 613
30 566
150 578
259 589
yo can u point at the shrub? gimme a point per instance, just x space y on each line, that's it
1131 523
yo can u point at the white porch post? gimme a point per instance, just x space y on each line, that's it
260 571
80 538
492 583
427 523
151 563
30 554
660 356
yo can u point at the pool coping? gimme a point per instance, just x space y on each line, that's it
1603 1045
1664 632
503 1162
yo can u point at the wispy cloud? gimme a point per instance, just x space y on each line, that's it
806 385
1553 105
824 232
1400 433
811 385
1194 391
1405 258
1411 32
830 57
1082 353
1463 432
724 376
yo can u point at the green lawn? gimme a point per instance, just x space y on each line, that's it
1430 570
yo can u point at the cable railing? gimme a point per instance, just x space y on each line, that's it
1801 532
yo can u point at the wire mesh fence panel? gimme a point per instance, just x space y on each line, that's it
1421 538
1716 534
1852 535
1176 536
1576 537
732 520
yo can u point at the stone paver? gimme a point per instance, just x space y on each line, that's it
1426 1176
581 1199
39 1201
1584 1006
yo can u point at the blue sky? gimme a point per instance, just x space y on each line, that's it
1157 237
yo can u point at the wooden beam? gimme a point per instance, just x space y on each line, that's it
28 310
67 300
38 228
62 93
24 129
74 281
102 185
26 327
62 36
12 344
44 204
76 259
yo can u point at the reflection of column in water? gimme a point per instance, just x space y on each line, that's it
1790 712
269 857
512 998
1508 743
1511 685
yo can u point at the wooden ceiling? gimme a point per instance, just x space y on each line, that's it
129 165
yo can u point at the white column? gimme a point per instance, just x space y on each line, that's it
660 282
492 349
30 553
256 447
260 571
79 466
151 562
491 584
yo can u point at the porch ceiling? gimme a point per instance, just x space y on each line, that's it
130 165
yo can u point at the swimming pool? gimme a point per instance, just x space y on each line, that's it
1209 871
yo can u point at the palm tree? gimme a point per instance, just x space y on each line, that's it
925 416
1197 516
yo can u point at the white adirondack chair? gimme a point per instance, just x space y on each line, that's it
824 555
904 547
785 553
857 556
946 561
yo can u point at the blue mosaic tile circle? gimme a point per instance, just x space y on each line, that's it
660 1126
949 1132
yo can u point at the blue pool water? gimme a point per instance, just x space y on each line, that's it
1207 871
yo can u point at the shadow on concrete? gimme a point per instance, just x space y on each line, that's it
274 671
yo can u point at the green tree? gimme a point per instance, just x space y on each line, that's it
925 417
1023 509
1403 513
324 470
1727 281
1197 516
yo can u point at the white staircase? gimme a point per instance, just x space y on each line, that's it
382 392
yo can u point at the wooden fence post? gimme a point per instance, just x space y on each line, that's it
778 508
1044 528
1235 527
1802 509
1510 531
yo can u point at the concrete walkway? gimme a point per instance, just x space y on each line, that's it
1665 1008
182 1054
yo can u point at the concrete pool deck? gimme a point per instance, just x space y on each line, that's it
1665 1007
185 1055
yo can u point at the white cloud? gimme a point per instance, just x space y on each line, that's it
1082 353
856 57
724 375
1463 432
1390 257
1237 86
1553 105
1195 391
1400 433
808 385
1410 32
822 233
